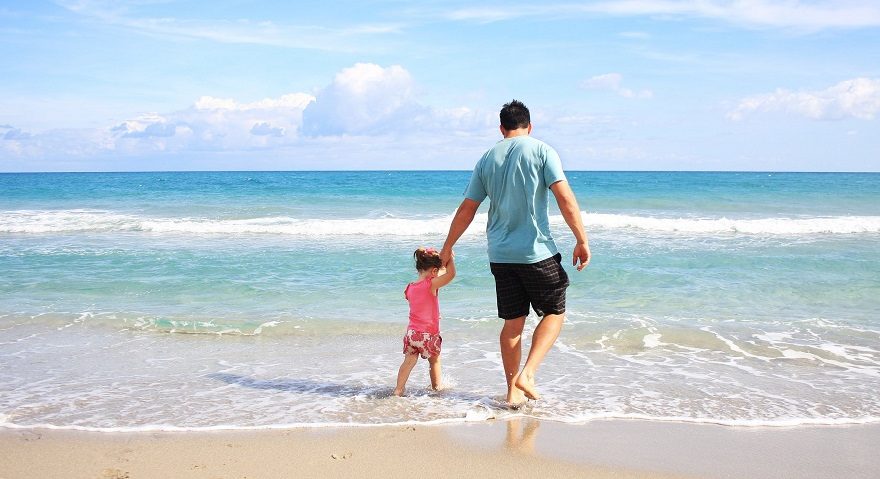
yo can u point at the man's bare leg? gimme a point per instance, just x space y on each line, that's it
543 339
511 356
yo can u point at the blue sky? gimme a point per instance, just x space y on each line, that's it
613 85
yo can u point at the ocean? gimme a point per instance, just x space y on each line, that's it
239 300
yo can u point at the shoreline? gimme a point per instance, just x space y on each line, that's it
453 422
498 448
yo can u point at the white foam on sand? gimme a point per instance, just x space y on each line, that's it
477 414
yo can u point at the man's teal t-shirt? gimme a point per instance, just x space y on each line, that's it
516 175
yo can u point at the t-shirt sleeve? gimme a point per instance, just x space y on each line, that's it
552 167
476 190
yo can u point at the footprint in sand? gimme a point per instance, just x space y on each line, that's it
115 474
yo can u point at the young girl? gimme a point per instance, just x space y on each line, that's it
423 333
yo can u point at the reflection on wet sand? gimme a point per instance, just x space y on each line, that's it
521 435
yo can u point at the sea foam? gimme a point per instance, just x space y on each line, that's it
82 220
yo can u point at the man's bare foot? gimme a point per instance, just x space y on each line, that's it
526 383
515 397
398 392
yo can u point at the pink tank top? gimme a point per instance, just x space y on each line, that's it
424 307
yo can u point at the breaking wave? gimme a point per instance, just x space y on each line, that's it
85 221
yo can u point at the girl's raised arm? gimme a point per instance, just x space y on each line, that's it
444 278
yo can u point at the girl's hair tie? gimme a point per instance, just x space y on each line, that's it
427 258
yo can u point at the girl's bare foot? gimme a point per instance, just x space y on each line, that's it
398 392
526 383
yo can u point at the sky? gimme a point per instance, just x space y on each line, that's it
721 85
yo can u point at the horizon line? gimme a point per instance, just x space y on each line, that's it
421 171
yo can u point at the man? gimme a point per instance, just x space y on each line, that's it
516 175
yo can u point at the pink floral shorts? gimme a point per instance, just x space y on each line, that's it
424 344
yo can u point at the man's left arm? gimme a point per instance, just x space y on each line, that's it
570 210
463 218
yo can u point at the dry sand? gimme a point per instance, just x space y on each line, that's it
517 448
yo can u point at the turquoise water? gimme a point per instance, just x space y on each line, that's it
246 299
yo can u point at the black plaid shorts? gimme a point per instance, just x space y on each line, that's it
540 284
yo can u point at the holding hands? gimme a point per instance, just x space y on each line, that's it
446 254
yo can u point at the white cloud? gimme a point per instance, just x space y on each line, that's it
296 101
612 82
489 14
211 103
266 129
365 104
215 124
67 143
146 126
856 98
364 98
789 14
14 133
242 31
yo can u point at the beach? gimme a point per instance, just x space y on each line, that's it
521 447
249 324
213 216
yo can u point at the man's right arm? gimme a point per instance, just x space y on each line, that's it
460 222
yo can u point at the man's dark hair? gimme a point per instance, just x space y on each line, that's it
515 115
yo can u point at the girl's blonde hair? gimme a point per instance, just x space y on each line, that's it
427 258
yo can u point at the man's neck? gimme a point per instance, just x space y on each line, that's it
517 132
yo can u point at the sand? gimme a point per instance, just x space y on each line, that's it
517 448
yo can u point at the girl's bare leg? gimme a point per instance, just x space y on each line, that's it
403 374
434 362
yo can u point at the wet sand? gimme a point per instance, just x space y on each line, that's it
520 447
